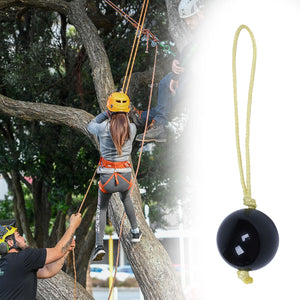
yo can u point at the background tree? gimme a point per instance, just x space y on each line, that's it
46 153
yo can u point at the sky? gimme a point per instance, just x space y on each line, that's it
274 143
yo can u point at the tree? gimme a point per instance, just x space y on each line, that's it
150 276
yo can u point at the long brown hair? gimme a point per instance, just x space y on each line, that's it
119 130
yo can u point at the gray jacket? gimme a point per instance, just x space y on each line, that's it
99 126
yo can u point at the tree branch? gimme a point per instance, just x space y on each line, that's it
77 119
56 5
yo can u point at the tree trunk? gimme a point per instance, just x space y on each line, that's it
150 262
42 212
61 287
20 202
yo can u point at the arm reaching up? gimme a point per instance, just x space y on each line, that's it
63 245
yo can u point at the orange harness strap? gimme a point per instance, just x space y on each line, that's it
114 165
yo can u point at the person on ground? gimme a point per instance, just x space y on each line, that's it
116 135
171 88
20 266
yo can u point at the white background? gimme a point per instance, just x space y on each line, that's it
274 143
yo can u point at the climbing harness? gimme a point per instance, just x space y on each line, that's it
113 164
103 163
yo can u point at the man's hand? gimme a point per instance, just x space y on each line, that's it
75 220
73 244
176 67
173 86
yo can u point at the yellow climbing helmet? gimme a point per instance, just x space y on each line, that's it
6 231
118 102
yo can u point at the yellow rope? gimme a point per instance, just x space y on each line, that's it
244 275
248 201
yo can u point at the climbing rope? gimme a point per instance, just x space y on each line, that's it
75 274
79 210
248 201
135 46
146 32
92 180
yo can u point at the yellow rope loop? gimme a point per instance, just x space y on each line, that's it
245 185
250 202
244 275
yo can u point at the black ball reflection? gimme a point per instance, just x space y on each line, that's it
247 239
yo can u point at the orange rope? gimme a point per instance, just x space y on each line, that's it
79 210
74 267
148 111
75 275
147 32
135 46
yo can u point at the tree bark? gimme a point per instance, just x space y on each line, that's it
61 287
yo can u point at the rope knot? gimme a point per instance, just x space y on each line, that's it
244 275
250 202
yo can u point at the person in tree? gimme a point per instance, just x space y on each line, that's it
172 86
20 266
116 135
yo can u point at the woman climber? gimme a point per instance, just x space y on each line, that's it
115 134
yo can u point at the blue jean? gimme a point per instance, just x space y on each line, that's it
165 101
